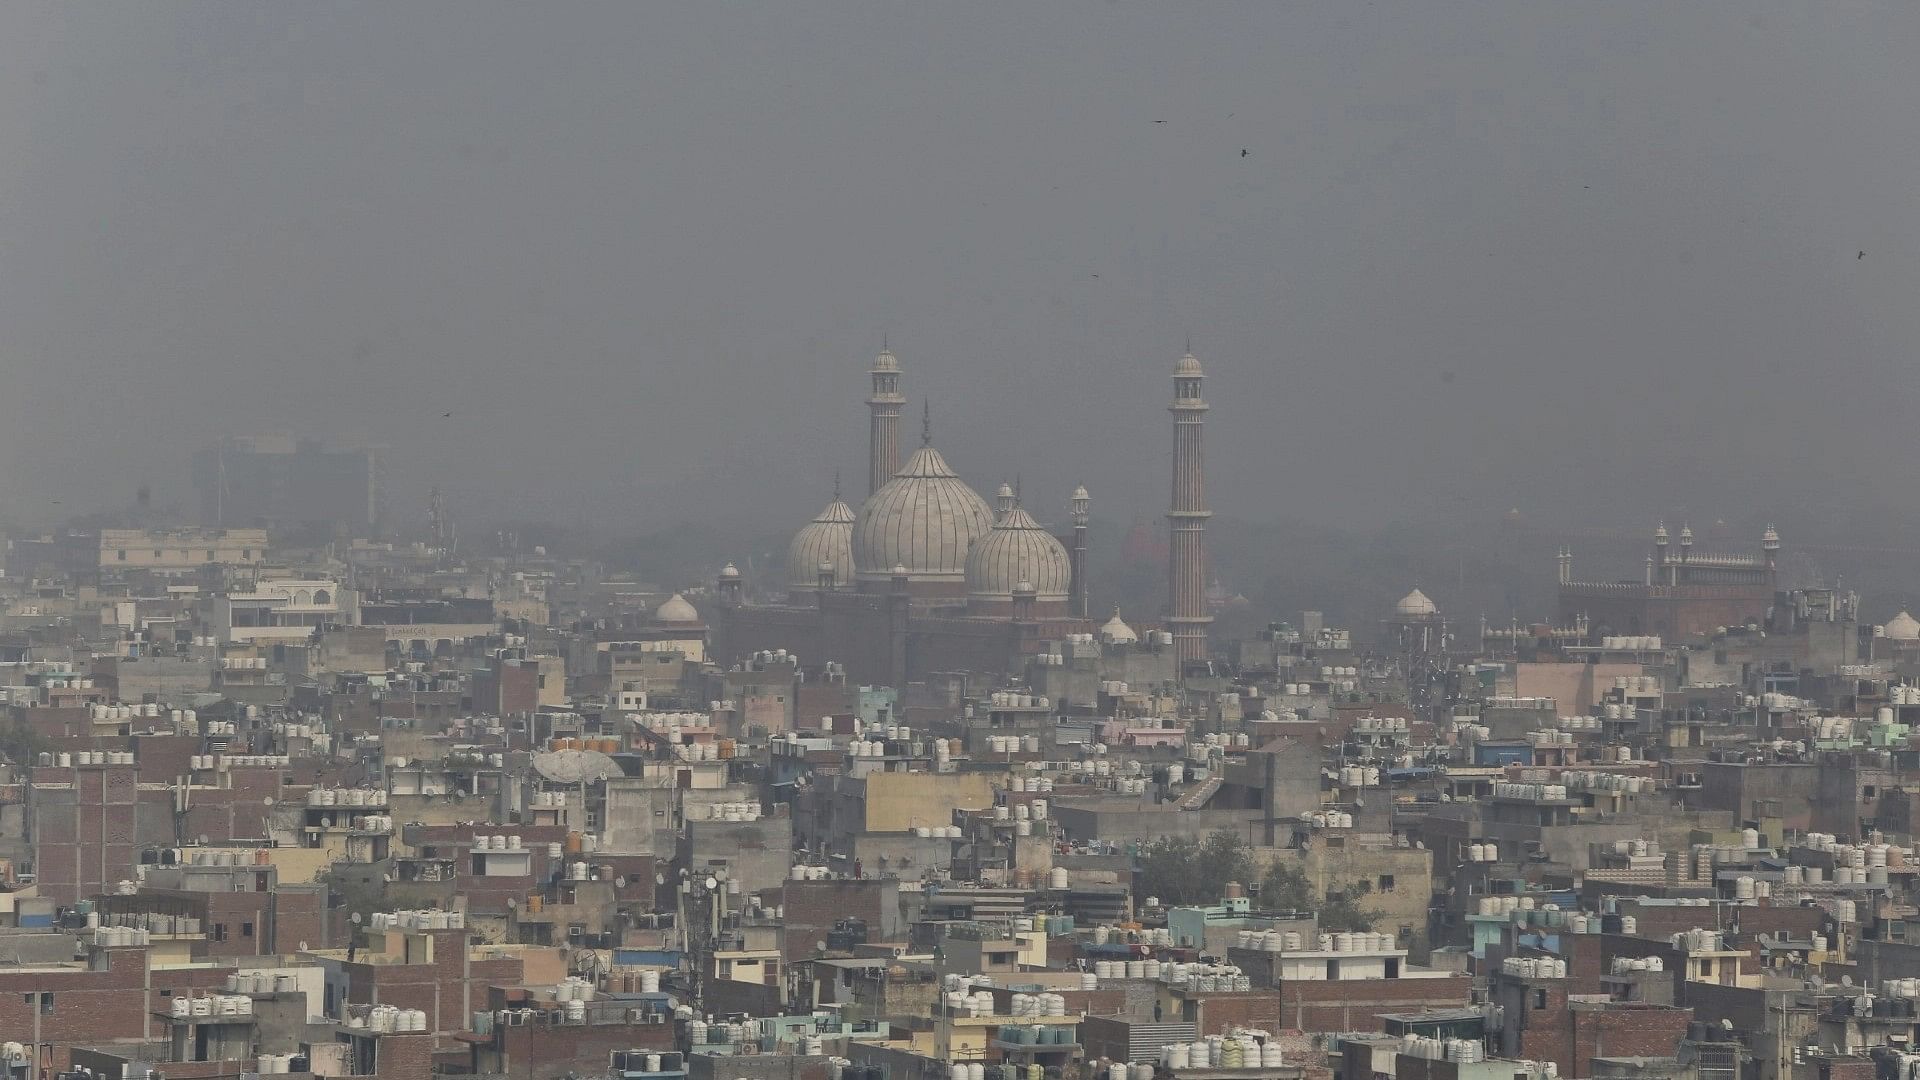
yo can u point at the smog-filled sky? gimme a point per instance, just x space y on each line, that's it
1594 261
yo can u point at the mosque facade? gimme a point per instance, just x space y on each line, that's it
1683 593
928 576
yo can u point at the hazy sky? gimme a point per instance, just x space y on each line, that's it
1593 260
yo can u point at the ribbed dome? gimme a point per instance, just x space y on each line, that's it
1903 627
676 610
1014 551
923 519
828 538
1416 605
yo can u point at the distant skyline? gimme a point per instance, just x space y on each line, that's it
1595 262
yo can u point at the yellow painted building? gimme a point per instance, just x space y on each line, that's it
897 802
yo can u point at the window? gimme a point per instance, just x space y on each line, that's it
246 553
209 555
246 929
156 553
46 1004
1386 883
219 931
122 554
1539 999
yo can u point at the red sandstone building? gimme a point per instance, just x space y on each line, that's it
1682 593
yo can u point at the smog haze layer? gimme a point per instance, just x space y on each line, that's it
1596 262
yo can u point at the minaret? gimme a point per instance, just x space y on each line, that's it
1187 517
1077 551
883 425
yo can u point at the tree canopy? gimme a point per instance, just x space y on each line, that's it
1182 871
1286 888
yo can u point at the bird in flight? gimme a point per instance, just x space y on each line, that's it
446 414
1244 151
1862 255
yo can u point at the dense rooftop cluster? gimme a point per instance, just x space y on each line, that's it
400 810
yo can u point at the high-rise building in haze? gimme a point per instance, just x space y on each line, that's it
278 481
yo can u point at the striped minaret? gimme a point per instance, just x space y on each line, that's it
1187 518
883 427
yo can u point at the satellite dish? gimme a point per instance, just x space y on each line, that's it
1846 980
712 882
659 879
620 882
268 801
354 918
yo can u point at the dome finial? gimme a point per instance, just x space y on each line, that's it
836 485
926 421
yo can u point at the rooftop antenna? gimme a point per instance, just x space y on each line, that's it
926 422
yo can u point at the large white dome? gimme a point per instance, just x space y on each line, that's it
1017 549
924 519
827 539
676 610
1416 605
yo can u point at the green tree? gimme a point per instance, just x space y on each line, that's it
1286 888
1344 911
1180 871
20 745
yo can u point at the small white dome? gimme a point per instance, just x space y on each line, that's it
1903 627
1117 632
1188 367
729 571
676 610
1415 604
